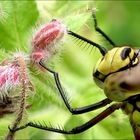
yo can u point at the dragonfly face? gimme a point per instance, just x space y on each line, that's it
116 72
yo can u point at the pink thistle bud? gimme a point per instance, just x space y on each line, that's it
45 39
9 78
11 74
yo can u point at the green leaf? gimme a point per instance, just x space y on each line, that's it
20 18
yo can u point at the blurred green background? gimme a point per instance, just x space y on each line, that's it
19 20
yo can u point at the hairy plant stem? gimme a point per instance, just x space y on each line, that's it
22 64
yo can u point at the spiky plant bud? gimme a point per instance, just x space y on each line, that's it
10 75
43 43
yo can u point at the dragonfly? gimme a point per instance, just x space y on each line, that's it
117 74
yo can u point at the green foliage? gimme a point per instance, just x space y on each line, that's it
17 23
18 19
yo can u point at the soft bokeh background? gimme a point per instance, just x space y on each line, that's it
19 19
